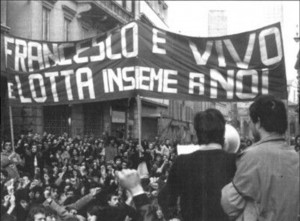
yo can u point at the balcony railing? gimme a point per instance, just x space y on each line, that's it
4 29
116 10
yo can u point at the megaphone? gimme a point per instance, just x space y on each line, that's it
232 139
231 142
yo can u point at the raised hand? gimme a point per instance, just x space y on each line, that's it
95 191
130 180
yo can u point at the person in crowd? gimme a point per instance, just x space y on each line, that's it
164 166
8 207
130 180
71 177
162 150
37 213
22 207
52 215
111 151
297 143
157 163
166 148
151 150
140 160
156 141
9 161
33 158
118 162
124 164
196 179
94 213
3 178
266 183
116 210
69 210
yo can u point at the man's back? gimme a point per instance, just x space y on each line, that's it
197 179
118 213
268 172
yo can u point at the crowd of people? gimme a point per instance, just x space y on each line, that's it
60 178
77 175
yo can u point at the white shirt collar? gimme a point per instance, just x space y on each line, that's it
187 149
210 146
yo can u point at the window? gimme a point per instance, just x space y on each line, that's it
120 2
46 23
93 118
67 23
56 119
85 32
86 27
129 5
68 17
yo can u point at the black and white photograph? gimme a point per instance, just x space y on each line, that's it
138 110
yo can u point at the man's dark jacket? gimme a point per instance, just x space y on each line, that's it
197 179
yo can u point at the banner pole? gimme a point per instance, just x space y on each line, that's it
139 110
11 128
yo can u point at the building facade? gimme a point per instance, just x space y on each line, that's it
64 21
4 105
71 20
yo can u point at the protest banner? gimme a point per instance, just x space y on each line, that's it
139 59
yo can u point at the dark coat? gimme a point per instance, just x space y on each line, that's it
135 159
198 178
118 213
29 162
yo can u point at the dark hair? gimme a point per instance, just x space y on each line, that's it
94 210
4 172
109 196
271 113
50 212
7 217
35 210
69 201
73 218
210 126
117 158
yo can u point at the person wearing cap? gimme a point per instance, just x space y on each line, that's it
266 184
